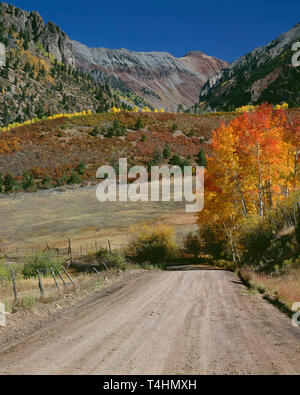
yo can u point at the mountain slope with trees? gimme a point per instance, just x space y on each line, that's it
154 79
264 75
40 78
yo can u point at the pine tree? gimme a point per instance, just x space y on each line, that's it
201 158
139 124
167 152
9 183
27 67
28 110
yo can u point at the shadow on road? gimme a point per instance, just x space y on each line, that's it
237 282
191 267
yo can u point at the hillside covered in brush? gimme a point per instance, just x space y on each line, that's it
69 150
264 75
40 77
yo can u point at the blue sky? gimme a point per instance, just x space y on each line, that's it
226 29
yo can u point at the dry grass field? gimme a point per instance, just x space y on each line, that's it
31 219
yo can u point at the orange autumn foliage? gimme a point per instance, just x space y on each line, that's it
8 145
251 166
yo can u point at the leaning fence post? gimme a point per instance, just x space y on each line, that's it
47 246
54 277
105 266
40 284
61 277
69 277
13 279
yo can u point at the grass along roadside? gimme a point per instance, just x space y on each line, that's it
29 293
280 290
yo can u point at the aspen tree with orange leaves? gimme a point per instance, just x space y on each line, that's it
252 165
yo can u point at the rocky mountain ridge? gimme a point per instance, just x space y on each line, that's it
155 78
264 74
159 77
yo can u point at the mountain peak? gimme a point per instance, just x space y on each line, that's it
194 53
160 78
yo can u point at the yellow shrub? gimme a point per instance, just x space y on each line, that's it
283 106
245 109
154 244
35 120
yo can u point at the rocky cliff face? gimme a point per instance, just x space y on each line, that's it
50 36
158 77
265 74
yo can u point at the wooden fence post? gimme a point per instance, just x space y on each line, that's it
105 266
70 251
69 277
109 246
13 279
96 271
54 277
47 246
61 277
40 284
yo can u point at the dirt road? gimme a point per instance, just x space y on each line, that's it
191 322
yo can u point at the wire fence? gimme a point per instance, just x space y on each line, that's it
21 252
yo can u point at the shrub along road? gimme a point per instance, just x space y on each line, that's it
175 322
